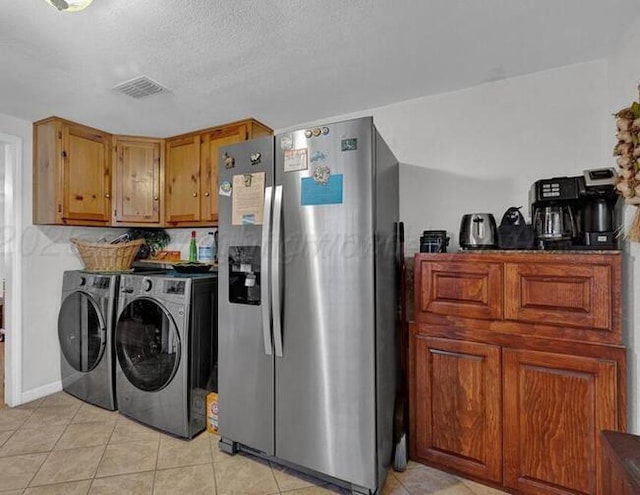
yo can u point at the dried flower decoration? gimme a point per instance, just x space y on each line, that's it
627 153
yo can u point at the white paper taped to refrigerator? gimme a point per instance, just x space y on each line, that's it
247 205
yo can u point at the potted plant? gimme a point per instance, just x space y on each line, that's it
154 240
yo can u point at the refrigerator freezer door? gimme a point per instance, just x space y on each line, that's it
325 380
246 370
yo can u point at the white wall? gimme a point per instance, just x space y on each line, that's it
624 77
479 150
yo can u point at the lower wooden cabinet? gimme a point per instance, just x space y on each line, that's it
524 419
555 406
457 406
516 365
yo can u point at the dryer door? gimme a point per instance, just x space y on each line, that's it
81 331
147 344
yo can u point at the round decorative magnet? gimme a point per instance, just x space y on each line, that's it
322 174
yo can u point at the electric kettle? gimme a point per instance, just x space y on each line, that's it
478 231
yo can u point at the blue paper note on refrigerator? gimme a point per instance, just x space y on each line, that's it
316 193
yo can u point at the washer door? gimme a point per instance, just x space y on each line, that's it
147 344
81 331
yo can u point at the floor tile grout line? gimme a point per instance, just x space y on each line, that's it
213 445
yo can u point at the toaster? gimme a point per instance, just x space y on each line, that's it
478 231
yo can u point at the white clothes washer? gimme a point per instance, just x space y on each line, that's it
166 348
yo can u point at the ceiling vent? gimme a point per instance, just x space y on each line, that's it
140 87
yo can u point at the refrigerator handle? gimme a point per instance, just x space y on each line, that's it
275 272
265 289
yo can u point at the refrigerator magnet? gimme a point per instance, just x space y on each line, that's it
255 158
318 157
349 144
286 142
295 160
225 188
321 174
229 161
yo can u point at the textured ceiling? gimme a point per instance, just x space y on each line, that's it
283 62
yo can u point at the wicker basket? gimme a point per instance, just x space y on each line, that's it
105 257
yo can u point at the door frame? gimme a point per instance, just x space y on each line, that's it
12 266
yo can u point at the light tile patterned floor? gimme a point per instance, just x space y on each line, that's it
60 445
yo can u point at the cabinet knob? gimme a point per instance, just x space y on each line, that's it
156 198
195 195
107 195
206 194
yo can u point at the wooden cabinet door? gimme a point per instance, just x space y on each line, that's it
210 144
182 179
456 413
138 167
47 172
86 186
554 409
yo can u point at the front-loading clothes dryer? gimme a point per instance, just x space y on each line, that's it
85 327
166 348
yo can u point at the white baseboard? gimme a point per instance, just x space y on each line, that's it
38 393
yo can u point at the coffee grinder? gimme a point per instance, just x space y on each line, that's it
599 213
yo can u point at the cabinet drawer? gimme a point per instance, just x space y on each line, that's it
471 290
568 295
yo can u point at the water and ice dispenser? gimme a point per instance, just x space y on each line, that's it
244 274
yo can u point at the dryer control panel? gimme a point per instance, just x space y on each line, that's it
174 286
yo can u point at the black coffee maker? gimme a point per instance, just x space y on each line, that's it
599 215
575 212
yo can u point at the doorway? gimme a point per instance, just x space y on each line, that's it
11 264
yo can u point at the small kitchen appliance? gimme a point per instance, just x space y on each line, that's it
514 232
575 212
600 220
434 241
478 231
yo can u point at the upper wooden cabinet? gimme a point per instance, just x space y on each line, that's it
191 189
71 174
138 171
155 182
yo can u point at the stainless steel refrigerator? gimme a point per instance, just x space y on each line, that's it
308 310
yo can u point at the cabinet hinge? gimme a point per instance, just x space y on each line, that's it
59 208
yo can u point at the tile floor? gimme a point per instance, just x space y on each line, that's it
60 445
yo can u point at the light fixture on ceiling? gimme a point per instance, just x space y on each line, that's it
69 5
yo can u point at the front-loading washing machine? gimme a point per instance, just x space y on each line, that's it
166 348
85 324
